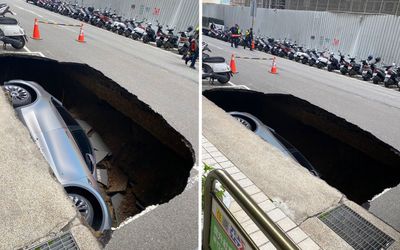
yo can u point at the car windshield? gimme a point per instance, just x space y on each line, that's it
78 133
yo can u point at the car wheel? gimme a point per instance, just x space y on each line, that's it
245 122
84 207
19 95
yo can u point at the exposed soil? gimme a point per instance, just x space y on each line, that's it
150 161
348 158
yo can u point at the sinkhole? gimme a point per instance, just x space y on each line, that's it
348 158
149 161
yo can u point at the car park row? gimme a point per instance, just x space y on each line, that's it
369 69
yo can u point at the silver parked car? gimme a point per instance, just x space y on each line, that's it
65 146
269 135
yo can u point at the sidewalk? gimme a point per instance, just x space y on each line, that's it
213 157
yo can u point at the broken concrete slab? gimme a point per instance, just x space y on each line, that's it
117 180
102 176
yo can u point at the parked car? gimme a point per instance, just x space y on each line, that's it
64 145
269 135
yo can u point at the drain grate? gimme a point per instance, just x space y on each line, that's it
355 230
61 242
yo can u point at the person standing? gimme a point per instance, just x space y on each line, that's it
246 39
194 51
250 40
235 35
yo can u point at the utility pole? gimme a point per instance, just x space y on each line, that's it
253 11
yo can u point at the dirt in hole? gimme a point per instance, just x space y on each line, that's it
348 158
146 151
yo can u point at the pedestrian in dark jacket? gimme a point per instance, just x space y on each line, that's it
248 39
194 50
235 35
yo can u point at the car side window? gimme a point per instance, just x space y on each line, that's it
78 133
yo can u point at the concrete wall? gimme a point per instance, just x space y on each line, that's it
355 34
179 13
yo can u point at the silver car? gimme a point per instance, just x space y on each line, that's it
269 135
64 145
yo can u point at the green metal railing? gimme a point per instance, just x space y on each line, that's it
274 234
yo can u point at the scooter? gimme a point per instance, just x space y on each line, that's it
369 69
139 30
215 67
161 36
149 35
392 77
322 61
183 43
8 40
10 27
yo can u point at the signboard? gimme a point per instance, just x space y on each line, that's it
224 235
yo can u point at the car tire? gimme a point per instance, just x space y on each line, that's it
83 206
19 95
247 122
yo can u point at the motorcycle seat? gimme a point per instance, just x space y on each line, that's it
8 20
214 59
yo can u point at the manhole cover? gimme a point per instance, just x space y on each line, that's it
355 230
61 242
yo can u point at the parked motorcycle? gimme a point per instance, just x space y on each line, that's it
215 67
392 76
10 27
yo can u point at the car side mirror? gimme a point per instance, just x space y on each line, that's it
90 161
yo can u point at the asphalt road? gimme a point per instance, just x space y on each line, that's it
157 77
371 107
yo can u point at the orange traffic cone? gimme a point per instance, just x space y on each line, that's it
36 33
81 37
233 64
253 45
274 69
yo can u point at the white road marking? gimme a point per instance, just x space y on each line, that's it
27 49
238 86
30 11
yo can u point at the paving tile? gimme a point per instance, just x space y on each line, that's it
241 216
253 189
308 244
216 166
268 246
216 154
227 164
276 215
259 197
230 170
205 156
259 238
238 176
286 224
212 149
267 206
221 159
209 161
234 207
297 235
245 183
250 227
